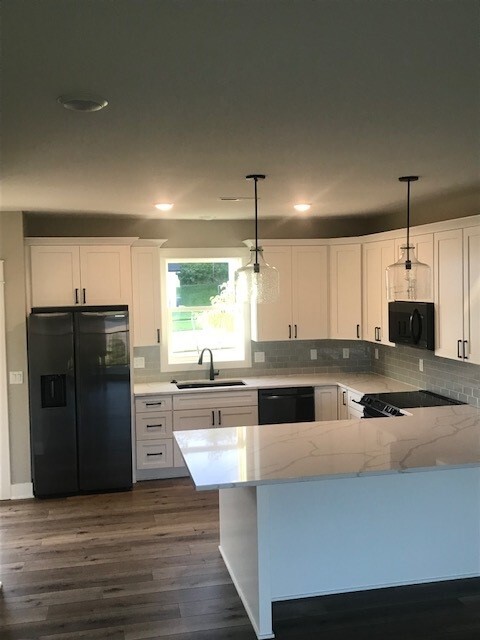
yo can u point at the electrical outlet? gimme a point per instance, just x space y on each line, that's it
15 377
376 353
259 356
139 363
313 354
346 353
420 364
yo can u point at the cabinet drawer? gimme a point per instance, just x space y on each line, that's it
155 454
150 426
153 403
216 399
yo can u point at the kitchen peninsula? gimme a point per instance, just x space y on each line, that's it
328 507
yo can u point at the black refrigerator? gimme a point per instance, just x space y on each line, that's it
79 378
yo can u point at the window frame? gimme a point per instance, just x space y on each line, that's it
226 253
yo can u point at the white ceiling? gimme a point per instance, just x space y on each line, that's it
332 99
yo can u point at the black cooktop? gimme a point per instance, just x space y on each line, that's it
413 399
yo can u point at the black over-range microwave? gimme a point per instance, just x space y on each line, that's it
412 323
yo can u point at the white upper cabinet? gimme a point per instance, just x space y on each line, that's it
55 276
301 310
376 258
65 275
146 296
457 294
346 291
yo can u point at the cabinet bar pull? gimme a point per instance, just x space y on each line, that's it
213 418
151 426
84 296
76 296
289 330
379 334
465 349
153 404
160 453
344 394
295 330
158 336
459 342
358 331
219 418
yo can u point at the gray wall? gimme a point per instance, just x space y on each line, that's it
458 380
191 233
11 250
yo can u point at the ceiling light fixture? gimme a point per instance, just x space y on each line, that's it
302 206
408 278
164 206
82 102
257 282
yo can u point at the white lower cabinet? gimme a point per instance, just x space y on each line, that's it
355 410
154 434
211 410
342 404
326 403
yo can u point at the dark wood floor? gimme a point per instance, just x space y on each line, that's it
145 564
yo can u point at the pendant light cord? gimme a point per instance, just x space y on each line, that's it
408 264
256 266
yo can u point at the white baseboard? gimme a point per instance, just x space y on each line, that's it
21 490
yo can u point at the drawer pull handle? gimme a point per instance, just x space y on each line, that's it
153 426
154 454
153 404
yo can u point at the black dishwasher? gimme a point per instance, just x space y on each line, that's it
286 404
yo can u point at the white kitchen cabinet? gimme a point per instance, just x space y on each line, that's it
326 403
355 410
66 275
346 291
154 436
457 295
342 404
301 310
376 258
146 296
213 409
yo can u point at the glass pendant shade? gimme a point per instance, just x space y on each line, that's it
257 282
408 278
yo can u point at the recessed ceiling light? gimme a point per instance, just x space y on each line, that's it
164 206
82 102
302 206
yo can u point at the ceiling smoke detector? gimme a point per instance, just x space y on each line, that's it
82 102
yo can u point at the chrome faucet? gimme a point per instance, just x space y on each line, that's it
213 372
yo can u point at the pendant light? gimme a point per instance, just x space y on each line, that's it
408 278
257 282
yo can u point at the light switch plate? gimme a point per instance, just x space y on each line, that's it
420 364
346 353
376 353
139 363
259 356
313 354
15 377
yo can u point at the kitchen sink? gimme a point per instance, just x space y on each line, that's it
212 383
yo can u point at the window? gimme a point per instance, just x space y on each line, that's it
199 309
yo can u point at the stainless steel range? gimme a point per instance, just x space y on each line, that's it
388 405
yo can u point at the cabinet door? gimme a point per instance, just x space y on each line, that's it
145 296
273 321
202 418
310 292
376 258
346 291
342 404
55 275
237 416
105 274
326 403
471 270
355 410
448 294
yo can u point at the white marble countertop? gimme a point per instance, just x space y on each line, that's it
436 438
361 382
